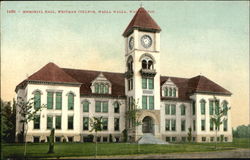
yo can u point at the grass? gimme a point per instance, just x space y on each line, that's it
88 149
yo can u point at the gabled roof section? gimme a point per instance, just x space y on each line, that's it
52 73
201 84
181 84
142 21
87 76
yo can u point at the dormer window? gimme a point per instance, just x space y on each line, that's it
169 89
101 85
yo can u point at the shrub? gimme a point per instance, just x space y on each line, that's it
110 138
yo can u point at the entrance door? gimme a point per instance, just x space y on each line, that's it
147 125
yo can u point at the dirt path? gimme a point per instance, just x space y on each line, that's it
238 153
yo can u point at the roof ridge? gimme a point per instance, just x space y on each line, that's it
93 70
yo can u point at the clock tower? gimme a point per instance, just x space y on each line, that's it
142 83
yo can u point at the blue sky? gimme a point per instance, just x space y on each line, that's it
209 38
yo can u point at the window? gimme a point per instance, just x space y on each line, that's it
170 92
203 125
58 139
70 101
150 83
167 109
70 122
116 107
173 124
174 92
130 84
37 122
58 122
167 124
151 102
97 106
37 100
148 102
203 139
144 102
211 139
36 139
50 100
193 107
130 63
104 139
116 124
85 123
70 139
49 122
96 88
194 125
225 125
147 64
211 107
85 106
106 89
147 83
226 139
101 88
173 139
105 124
217 107
167 139
105 107
173 109
58 100
193 139
144 83
183 110
101 106
203 109
224 105
183 125
130 103
166 92
211 125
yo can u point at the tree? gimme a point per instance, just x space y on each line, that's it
51 141
217 120
242 131
134 114
189 134
28 113
8 121
96 125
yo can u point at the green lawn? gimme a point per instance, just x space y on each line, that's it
88 149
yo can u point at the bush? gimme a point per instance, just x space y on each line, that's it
110 138
125 135
89 138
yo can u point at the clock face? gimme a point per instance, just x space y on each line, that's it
146 41
131 43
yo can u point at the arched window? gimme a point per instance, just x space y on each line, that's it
225 107
203 107
70 101
130 63
37 100
144 64
116 107
85 106
183 109
166 92
96 88
170 92
101 88
174 92
150 64
106 89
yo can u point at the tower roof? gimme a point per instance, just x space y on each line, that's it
142 21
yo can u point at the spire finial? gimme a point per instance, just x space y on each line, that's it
140 3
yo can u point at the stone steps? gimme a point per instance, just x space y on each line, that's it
149 138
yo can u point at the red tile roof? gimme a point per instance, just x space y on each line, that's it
142 21
186 87
86 76
201 84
